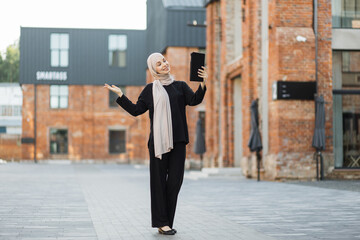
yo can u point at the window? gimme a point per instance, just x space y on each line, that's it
117 141
59 47
350 68
113 96
346 108
10 110
346 13
117 50
58 141
59 96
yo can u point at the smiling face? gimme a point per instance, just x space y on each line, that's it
162 66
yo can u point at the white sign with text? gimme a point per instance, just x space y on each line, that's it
57 76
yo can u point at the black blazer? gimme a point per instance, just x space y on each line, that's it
180 95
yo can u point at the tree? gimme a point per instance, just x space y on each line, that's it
9 67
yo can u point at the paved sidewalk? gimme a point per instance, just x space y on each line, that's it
110 201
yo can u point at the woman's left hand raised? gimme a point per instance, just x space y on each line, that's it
203 74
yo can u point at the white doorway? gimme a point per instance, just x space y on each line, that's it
237 122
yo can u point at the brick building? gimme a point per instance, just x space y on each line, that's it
67 114
252 45
62 71
10 121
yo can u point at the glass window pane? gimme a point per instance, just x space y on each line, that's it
54 90
117 50
19 112
54 41
350 76
351 130
112 99
2 129
110 58
64 58
112 42
350 13
63 102
349 8
122 42
54 58
345 61
336 13
354 62
122 59
64 90
63 141
115 58
117 141
54 102
64 41
58 141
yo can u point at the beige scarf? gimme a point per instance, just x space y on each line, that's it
162 124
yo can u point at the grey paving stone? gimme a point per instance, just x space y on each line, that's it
109 201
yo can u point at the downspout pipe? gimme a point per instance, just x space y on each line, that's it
35 100
315 26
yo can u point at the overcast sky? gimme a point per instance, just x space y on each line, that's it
123 14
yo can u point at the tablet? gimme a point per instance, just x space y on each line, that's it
197 61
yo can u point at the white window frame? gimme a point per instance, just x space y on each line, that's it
59 49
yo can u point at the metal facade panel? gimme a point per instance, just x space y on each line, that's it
169 26
178 31
88 57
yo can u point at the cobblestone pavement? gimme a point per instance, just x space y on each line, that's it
349 185
110 201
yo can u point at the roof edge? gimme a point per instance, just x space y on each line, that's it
207 2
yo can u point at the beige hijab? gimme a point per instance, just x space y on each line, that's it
162 123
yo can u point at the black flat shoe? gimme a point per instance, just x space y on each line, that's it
174 230
168 232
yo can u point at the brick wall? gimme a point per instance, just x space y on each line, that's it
231 67
87 118
27 120
291 123
213 36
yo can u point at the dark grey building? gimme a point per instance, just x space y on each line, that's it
168 24
82 56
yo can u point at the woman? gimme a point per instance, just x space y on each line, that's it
166 100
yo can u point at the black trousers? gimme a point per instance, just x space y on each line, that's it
166 177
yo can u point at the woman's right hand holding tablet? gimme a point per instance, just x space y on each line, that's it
114 88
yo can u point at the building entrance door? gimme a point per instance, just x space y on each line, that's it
237 122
